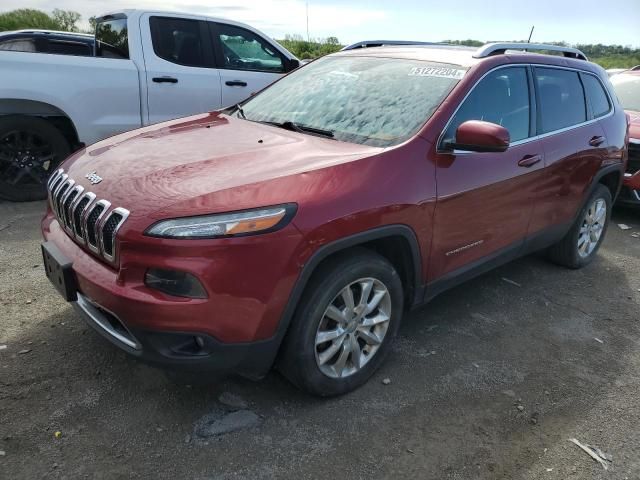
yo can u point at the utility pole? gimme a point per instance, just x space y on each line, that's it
308 37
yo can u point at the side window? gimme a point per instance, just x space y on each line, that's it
501 97
64 47
597 96
244 50
112 39
178 40
19 45
561 99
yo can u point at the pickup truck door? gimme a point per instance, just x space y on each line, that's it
179 66
248 62
485 200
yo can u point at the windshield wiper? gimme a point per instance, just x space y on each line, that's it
296 127
239 109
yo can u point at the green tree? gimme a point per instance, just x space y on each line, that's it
67 19
92 24
27 18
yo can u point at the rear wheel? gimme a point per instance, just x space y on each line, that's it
344 325
580 245
30 150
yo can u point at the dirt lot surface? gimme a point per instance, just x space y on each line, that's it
488 381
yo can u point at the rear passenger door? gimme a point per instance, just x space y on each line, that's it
180 67
573 140
485 200
247 61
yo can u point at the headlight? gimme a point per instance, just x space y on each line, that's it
229 224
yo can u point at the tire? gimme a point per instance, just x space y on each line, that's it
567 252
30 150
301 357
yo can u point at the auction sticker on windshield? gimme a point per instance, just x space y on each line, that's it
440 72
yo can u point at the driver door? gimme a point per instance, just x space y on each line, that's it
247 62
485 200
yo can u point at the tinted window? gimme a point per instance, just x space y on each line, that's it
244 50
596 95
19 45
627 88
65 47
112 39
502 97
367 100
178 41
561 99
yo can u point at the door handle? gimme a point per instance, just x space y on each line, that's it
596 141
165 80
236 83
529 160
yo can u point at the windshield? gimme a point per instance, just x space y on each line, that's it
627 89
367 100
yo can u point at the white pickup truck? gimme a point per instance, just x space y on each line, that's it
148 67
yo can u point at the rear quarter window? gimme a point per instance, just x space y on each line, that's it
596 95
562 102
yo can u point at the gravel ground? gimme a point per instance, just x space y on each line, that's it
488 381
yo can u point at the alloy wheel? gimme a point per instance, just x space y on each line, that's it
353 328
26 158
592 227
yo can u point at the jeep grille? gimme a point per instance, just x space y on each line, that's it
89 221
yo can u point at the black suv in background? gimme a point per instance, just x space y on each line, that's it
48 41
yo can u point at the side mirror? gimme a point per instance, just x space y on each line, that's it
291 64
479 136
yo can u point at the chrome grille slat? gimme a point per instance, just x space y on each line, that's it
64 200
93 223
60 196
79 213
89 222
54 194
110 227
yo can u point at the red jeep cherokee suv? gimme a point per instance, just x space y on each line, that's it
297 228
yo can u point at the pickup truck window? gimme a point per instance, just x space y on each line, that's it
244 50
19 45
112 39
64 47
178 40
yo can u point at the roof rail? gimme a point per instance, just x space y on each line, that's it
500 48
384 43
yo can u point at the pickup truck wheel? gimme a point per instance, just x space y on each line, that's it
344 325
30 150
579 247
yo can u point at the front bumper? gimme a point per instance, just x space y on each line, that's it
189 351
235 329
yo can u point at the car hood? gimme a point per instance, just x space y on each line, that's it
192 165
634 128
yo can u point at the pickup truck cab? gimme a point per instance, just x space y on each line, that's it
148 67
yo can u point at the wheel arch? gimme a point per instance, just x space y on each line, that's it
384 241
611 178
33 108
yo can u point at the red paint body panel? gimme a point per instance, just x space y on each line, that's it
216 163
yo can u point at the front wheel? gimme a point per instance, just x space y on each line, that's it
344 325
580 245
30 150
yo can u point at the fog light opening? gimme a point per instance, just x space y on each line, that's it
174 282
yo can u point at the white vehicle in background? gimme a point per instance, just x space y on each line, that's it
148 67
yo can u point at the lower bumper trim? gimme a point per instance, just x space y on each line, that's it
106 323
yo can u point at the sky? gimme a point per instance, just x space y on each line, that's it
573 21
